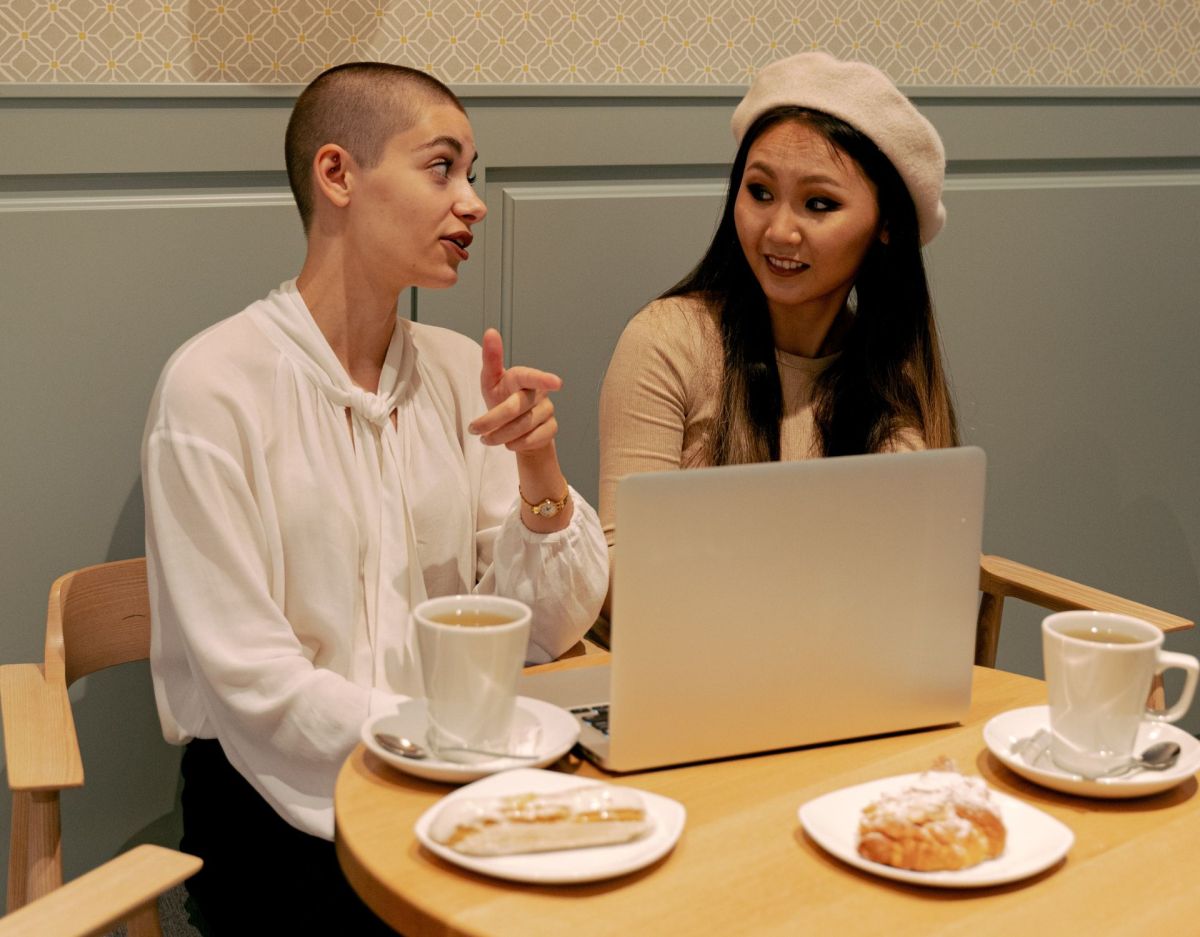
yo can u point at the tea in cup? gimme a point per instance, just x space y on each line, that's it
472 649
1099 668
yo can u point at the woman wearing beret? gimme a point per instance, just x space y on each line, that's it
807 329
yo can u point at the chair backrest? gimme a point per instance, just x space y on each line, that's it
98 617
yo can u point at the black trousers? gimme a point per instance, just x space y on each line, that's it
261 875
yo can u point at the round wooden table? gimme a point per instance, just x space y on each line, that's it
744 866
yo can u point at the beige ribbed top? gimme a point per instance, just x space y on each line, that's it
661 391
660 397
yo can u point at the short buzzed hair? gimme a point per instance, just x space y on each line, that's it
359 106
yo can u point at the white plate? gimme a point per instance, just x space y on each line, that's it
564 866
540 729
1004 731
1035 840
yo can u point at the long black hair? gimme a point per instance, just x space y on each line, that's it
888 377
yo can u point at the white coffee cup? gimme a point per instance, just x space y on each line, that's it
1099 667
472 649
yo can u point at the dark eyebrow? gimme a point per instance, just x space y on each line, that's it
817 178
453 142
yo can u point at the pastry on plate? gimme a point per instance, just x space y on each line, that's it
942 822
594 815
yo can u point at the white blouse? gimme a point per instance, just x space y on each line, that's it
290 528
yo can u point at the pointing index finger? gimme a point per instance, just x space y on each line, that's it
493 360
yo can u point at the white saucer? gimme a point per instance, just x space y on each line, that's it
566 866
540 729
1035 840
1004 731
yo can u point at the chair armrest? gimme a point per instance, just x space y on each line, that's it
95 901
40 746
1004 578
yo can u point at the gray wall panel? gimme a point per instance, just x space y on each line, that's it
1072 321
141 135
1013 128
583 259
96 295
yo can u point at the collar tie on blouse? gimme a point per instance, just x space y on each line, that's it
392 578
371 407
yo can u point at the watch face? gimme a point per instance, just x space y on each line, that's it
547 508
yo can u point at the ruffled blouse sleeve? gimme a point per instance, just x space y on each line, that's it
561 576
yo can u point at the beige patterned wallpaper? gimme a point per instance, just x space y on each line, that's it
1065 43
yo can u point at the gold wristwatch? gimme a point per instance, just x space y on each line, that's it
547 508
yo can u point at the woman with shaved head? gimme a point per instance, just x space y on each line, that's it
315 466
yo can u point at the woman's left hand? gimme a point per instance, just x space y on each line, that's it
521 415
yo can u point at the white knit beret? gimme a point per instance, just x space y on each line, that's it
865 98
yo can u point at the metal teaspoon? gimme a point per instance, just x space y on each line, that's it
407 748
1158 757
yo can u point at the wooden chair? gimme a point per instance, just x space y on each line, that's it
97 617
123 889
1000 579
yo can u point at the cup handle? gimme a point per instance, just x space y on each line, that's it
1191 666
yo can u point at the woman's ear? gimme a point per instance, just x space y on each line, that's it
332 174
883 234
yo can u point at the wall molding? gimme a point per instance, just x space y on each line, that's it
142 202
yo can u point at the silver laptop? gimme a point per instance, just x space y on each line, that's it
770 606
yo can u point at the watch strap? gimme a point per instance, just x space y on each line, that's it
547 507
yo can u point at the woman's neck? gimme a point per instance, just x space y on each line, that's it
356 315
810 335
